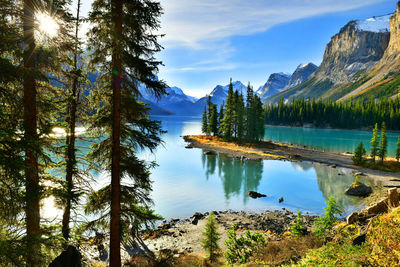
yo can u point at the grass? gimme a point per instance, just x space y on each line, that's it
382 246
389 165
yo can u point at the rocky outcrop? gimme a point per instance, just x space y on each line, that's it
353 49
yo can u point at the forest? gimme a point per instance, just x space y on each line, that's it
351 114
237 120
46 83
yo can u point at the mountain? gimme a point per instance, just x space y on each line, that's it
219 94
301 74
174 102
384 79
355 50
275 84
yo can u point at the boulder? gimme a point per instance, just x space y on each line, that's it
393 197
209 153
71 257
352 218
189 146
359 240
360 190
254 194
379 207
196 217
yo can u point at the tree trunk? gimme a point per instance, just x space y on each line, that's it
115 253
70 155
30 125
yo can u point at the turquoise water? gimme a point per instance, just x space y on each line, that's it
327 139
187 181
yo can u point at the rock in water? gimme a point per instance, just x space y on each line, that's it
255 194
280 200
71 257
360 190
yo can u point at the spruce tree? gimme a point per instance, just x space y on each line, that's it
228 120
241 117
124 30
213 122
211 237
359 153
374 143
383 147
398 149
204 122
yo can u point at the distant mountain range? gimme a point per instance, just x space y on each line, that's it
361 60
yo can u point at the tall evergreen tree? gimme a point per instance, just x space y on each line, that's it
241 117
204 122
124 31
213 122
374 143
227 121
31 138
383 147
72 106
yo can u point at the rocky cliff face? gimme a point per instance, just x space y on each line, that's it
275 84
393 48
301 74
358 46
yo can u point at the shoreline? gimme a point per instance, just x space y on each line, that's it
329 128
280 151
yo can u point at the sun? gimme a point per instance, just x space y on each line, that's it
46 24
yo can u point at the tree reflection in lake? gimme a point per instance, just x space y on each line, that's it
237 176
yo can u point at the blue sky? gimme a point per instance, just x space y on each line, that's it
209 41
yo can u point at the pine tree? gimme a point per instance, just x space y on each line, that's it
211 237
124 31
241 117
398 149
33 231
383 147
204 122
228 120
72 110
374 143
213 122
359 153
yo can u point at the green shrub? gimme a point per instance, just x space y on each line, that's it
325 223
298 228
242 248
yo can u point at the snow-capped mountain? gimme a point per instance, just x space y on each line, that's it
275 84
219 94
301 74
374 24
175 101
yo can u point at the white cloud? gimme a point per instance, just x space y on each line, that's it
193 23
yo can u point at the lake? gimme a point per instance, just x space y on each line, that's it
187 181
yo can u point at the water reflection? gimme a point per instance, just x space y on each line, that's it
237 176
